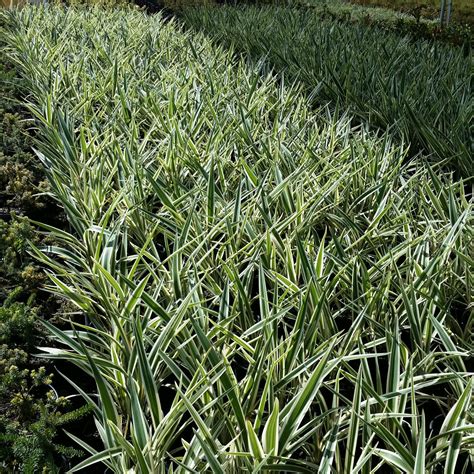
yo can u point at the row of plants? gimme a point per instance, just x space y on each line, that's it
259 286
462 11
31 411
420 90
411 22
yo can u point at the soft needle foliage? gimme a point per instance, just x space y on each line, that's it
266 288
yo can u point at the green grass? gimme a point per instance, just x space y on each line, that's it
267 288
419 90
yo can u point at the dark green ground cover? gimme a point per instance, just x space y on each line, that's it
31 411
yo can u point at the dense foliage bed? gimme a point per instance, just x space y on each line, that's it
258 283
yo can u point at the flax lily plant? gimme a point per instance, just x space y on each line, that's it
265 288
420 90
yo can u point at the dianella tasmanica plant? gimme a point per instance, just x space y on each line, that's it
259 286
419 90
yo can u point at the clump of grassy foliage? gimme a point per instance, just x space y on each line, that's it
266 287
419 89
